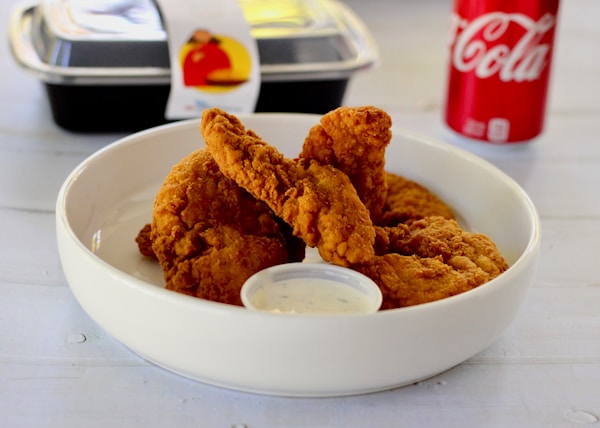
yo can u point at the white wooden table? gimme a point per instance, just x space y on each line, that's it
59 369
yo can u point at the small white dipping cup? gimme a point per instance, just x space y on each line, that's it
311 288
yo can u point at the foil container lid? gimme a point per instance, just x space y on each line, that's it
125 42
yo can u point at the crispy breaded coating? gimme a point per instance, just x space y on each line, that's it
318 201
354 139
437 236
409 200
239 206
208 234
430 259
144 241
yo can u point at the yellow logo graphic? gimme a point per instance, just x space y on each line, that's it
214 63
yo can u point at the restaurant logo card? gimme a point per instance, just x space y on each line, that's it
214 58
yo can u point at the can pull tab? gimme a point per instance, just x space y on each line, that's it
214 58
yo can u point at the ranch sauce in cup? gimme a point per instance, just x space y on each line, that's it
307 288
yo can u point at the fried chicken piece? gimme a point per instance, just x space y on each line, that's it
318 201
409 200
208 234
437 236
144 241
430 259
354 139
295 246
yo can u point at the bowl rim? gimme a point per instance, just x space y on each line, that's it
62 220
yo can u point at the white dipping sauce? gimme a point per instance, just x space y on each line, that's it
310 288
309 295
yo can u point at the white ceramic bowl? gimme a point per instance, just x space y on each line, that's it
108 198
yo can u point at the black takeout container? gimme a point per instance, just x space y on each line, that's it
105 65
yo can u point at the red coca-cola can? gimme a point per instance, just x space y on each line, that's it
499 68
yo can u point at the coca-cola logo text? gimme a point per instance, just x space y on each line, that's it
478 46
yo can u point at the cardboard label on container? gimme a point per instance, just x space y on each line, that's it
214 58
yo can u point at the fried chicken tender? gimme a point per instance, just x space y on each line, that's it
430 259
408 200
208 234
354 139
144 241
318 201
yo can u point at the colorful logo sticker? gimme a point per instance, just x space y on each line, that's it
213 56
214 63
